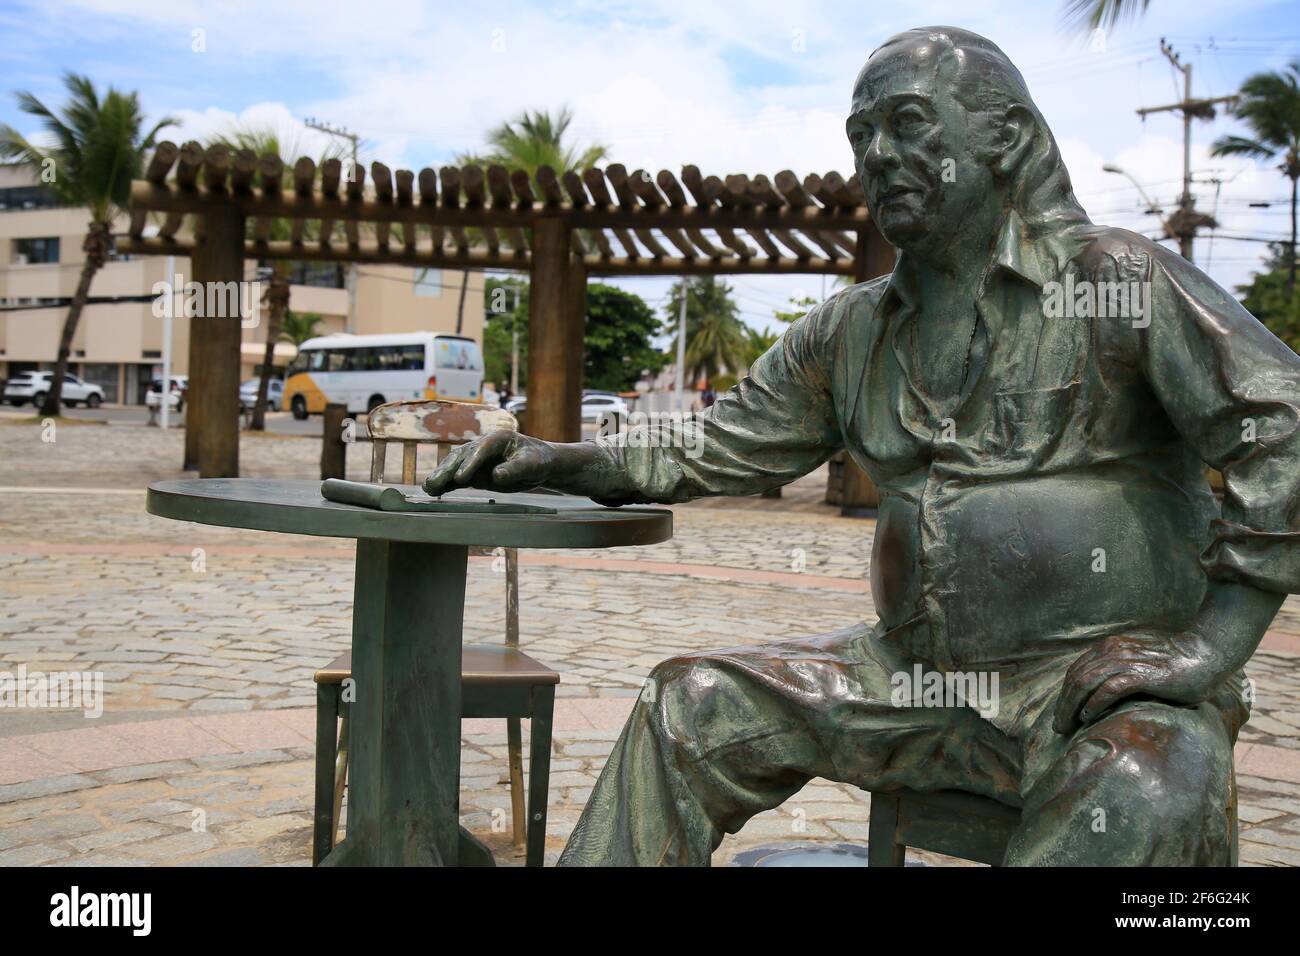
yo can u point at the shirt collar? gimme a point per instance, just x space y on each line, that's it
1014 253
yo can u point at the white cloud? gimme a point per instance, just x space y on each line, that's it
667 82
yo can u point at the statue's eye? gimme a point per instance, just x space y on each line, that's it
909 121
860 135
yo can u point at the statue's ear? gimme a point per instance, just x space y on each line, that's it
1018 129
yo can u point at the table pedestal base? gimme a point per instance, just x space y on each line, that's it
404 777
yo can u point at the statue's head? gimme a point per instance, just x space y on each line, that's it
943 131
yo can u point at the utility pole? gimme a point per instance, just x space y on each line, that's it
354 139
1183 224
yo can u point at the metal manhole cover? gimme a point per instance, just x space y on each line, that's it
806 854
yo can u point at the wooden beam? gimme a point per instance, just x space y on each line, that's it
382 177
594 180
428 181
356 190
631 214
156 173
475 259
616 173
212 405
549 184
405 180
498 181
242 169
304 178
216 166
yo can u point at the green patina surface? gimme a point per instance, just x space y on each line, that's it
1036 397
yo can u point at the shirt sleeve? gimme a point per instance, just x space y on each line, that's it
1232 389
776 425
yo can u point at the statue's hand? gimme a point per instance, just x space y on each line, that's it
1179 668
498 461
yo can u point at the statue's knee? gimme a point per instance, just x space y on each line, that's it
1177 759
677 677
686 693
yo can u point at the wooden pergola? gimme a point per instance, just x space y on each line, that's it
560 229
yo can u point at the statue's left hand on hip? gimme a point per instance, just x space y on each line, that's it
1179 668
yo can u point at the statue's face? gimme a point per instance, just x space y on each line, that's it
913 147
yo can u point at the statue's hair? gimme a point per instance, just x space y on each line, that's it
983 79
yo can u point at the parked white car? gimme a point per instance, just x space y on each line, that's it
33 387
597 405
175 398
274 394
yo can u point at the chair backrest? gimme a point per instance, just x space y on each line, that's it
415 423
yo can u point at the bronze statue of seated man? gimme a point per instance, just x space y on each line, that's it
1036 398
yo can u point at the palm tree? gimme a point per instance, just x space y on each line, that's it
536 139
530 141
1103 14
1269 103
298 327
97 149
756 343
716 338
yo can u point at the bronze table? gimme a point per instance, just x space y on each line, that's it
406 636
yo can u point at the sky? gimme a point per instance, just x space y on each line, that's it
754 86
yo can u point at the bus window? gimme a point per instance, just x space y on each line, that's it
458 354
361 360
337 360
316 360
413 357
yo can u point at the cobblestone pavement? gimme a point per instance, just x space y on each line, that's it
207 639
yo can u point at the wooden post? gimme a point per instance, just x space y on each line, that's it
554 391
873 257
575 317
212 405
333 450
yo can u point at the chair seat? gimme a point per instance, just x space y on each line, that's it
479 664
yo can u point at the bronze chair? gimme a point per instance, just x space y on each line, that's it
496 680
958 824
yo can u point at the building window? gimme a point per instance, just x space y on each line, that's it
29 197
322 275
34 251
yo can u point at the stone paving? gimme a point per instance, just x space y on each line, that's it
207 638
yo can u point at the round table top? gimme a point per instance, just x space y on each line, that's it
297 507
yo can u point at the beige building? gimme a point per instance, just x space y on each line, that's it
119 345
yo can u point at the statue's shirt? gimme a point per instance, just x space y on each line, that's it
1063 496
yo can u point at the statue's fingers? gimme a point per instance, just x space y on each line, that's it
518 472
443 476
1114 689
1084 663
476 455
1076 690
